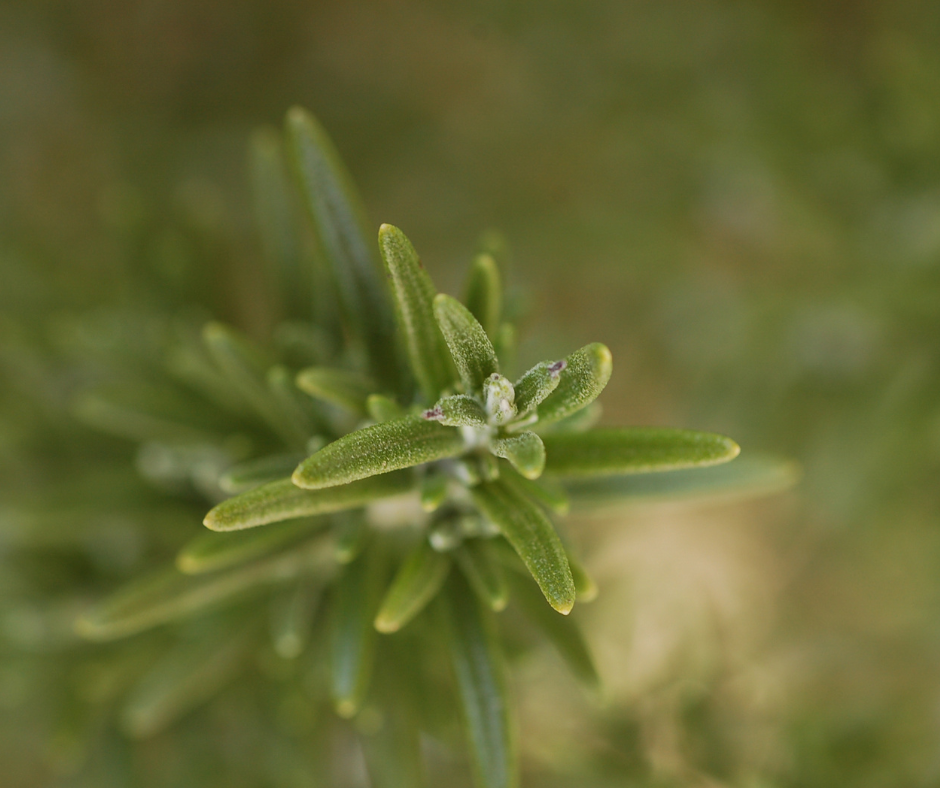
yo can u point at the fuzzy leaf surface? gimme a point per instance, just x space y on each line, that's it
459 410
585 375
524 451
536 384
484 293
468 343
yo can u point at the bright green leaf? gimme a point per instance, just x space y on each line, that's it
585 374
468 343
536 384
524 451
347 390
459 410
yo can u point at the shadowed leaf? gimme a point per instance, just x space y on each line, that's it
468 343
418 579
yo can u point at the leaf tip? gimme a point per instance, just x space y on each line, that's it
346 708
386 625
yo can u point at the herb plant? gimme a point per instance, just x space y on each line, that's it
379 488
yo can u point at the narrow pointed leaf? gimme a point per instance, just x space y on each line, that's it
378 449
620 450
533 537
484 293
468 343
169 595
285 393
340 387
524 451
393 753
253 473
211 551
546 491
481 685
563 633
381 408
585 374
283 500
459 410
579 421
350 533
352 636
505 344
414 294
483 572
332 202
416 583
433 491
292 617
179 682
536 384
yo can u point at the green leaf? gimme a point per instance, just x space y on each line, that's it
484 293
416 583
532 536
433 491
547 492
475 559
524 451
169 595
331 199
246 370
481 685
283 500
211 551
585 374
347 390
253 473
381 408
352 636
563 633
619 450
393 752
378 449
414 294
748 476
583 583
536 384
505 343
459 410
287 397
182 680
351 532
468 343
292 617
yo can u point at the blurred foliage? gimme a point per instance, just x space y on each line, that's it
740 199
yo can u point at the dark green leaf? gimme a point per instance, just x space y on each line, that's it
292 615
340 387
621 450
433 491
351 532
585 374
524 451
378 449
283 500
548 492
532 536
485 575
468 343
253 473
417 581
484 293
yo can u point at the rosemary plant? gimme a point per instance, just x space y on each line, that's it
378 487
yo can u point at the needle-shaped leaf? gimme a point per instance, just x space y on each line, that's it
169 595
505 343
468 343
536 384
459 410
563 633
481 684
210 551
292 615
378 449
253 473
340 387
485 575
182 680
287 397
283 500
524 451
532 536
352 636
381 408
619 450
350 533
546 491
433 491
414 294
416 583
484 293
332 202
585 374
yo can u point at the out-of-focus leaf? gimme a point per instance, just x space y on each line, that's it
283 500
579 421
253 473
382 408
393 752
414 306
335 207
475 559
418 579
505 344
546 491
748 476
481 685
340 387
352 636
484 293
378 449
182 680
621 450
350 533
211 551
536 384
468 343
583 583
524 451
170 595
532 536
433 491
287 397
585 374
563 633
459 410
292 617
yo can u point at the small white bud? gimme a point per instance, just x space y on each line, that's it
500 398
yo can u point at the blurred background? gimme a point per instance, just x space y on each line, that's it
742 199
